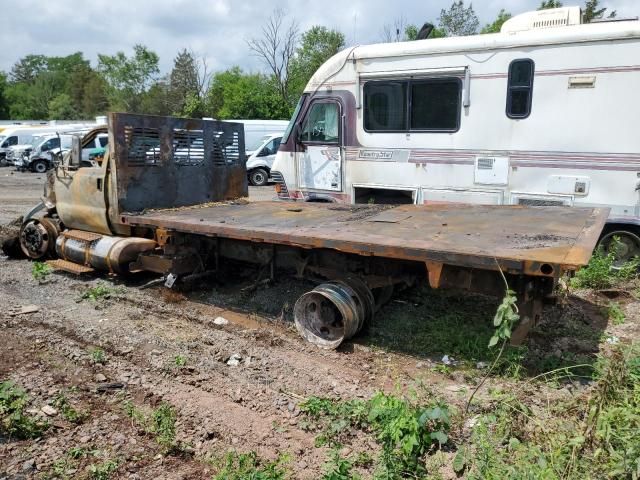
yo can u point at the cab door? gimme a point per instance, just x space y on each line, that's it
320 156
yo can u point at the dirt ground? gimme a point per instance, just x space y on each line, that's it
237 385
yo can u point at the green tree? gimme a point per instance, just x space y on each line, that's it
4 102
61 108
546 4
593 11
27 69
156 100
128 78
94 99
183 81
317 45
459 20
496 25
235 94
411 32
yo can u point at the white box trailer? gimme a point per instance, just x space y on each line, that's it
543 113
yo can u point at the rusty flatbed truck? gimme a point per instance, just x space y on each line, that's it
168 198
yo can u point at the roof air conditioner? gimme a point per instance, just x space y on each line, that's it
540 19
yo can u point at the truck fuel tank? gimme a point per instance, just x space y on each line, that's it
102 252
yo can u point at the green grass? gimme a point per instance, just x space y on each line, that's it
592 437
599 273
40 271
425 322
14 422
615 313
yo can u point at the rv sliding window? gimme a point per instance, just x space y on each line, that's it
520 88
429 105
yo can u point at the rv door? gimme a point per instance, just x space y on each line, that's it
320 156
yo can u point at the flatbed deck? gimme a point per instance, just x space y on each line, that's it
530 240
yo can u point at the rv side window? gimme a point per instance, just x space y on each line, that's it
520 88
385 106
321 124
435 104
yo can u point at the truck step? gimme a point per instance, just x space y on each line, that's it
67 266
81 235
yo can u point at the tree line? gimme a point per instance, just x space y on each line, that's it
69 87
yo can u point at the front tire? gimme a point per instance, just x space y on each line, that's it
258 177
40 166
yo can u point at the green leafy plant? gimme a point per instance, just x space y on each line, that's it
102 471
615 313
405 431
505 318
179 361
338 468
40 271
14 422
161 424
248 466
68 412
99 292
98 356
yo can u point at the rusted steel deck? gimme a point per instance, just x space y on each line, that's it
530 240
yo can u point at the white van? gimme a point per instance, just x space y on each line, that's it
543 113
255 130
260 157
18 140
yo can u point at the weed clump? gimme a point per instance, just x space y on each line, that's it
100 292
161 424
40 271
405 431
245 466
14 422
593 437
602 271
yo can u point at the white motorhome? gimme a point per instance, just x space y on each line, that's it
543 113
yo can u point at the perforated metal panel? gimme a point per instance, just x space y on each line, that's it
165 162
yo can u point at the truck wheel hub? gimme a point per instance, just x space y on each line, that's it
34 239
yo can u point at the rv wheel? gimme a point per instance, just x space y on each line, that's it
258 177
624 244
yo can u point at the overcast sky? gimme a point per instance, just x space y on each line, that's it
216 29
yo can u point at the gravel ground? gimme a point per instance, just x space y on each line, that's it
234 386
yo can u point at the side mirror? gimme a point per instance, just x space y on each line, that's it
76 151
45 148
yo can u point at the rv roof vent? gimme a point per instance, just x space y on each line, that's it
550 18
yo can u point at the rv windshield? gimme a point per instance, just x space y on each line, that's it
294 117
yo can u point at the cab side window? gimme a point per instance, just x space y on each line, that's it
11 141
322 123
272 147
